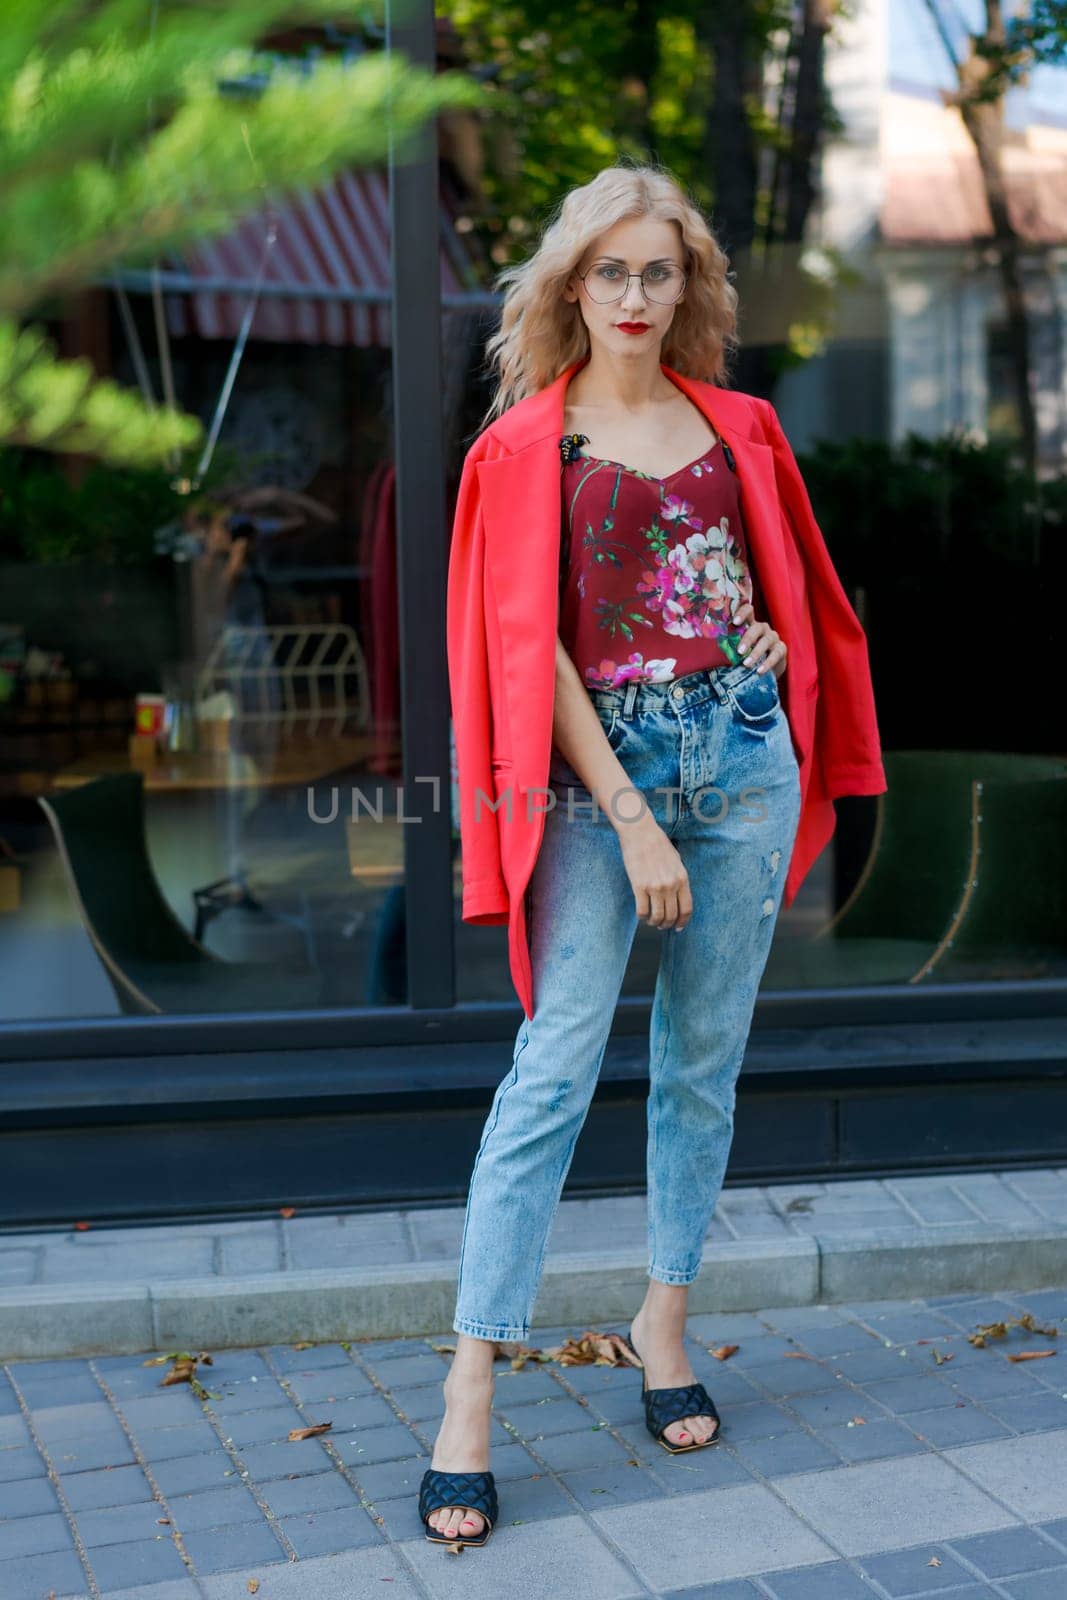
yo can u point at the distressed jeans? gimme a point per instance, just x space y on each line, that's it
712 754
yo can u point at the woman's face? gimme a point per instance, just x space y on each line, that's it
631 246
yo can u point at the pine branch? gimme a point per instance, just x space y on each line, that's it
122 141
201 172
63 406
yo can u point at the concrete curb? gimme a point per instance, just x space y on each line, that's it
585 1290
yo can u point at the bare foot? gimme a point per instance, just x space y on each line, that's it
657 1338
462 1443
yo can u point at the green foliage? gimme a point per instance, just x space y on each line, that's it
61 405
899 519
1036 36
120 141
201 170
576 87
111 516
567 97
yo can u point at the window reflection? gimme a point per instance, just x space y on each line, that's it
878 315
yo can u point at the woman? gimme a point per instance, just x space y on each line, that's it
634 564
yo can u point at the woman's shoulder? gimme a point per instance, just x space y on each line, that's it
526 421
521 424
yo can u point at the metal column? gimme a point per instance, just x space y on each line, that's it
421 538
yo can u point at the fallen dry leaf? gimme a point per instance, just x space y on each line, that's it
940 1356
308 1433
519 1354
183 1370
592 1349
1027 1321
287 1211
1029 1355
253 1585
799 1355
588 1349
999 1330
934 1561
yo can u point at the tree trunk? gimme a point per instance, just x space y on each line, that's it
984 121
764 265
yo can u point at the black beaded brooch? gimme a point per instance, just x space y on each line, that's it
569 446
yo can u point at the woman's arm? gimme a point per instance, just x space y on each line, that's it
657 874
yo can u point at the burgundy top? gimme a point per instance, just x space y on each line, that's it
650 568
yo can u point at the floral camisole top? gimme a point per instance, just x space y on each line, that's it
651 569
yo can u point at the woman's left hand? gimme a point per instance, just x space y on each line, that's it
760 646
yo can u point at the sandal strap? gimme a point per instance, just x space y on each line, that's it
664 1406
466 1491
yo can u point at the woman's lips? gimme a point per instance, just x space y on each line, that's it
633 327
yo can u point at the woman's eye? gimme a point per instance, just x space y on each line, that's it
606 272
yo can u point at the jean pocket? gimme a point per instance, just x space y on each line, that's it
560 769
755 698
612 724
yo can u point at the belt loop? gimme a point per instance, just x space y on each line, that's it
720 693
630 700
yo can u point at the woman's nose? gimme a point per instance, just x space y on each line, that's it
633 300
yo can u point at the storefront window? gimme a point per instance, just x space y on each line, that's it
200 692
199 675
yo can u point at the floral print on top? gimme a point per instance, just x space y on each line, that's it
650 568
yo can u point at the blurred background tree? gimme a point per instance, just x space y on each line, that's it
997 57
129 128
728 94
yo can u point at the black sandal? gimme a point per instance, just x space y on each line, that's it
459 1491
664 1406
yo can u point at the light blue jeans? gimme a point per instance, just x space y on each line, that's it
712 755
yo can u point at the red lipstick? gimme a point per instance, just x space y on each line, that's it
632 327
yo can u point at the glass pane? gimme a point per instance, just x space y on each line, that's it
217 672
922 394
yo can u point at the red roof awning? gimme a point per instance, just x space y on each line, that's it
941 200
332 249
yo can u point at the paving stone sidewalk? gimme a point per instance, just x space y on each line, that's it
269 1280
868 1449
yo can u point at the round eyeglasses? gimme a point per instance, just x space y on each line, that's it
606 281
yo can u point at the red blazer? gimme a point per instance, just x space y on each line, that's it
502 620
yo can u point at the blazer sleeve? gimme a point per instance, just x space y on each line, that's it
485 894
847 739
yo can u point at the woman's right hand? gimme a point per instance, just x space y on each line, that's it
657 874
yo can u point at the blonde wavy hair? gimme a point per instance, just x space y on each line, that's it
541 333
